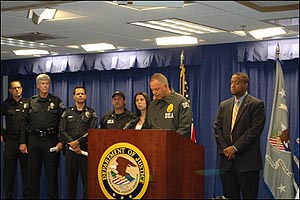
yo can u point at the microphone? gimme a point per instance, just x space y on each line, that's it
131 123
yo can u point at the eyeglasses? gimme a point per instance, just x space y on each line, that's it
14 88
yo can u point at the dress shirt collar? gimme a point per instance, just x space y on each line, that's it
241 99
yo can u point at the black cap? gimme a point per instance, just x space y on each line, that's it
118 93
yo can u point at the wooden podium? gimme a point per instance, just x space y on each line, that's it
174 162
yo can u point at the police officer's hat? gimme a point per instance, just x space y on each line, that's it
118 93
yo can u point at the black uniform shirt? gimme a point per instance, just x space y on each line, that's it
74 124
111 120
43 113
14 116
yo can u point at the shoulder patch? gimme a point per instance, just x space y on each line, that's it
64 114
61 105
185 104
95 114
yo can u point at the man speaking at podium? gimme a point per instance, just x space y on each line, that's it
168 110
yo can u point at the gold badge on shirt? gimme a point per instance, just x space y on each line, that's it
52 106
170 107
87 114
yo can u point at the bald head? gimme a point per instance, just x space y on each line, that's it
159 86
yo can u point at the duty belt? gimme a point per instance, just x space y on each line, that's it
43 133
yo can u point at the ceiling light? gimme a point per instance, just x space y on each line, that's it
267 32
97 47
240 33
30 52
73 46
179 40
148 5
24 43
177 26
38 15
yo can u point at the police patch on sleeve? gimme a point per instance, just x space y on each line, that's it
185 105
61 105
64 114
94 114
123 172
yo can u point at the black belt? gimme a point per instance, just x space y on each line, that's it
43 133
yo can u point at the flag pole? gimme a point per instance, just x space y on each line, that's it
277 51
182 73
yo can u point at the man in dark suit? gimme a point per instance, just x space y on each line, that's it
238 126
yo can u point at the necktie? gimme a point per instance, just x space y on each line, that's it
234 114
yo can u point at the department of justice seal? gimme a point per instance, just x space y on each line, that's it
123 172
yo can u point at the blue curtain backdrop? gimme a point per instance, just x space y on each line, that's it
208 73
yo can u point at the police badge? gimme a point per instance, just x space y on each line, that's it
52 106
87 114
26 105
170 107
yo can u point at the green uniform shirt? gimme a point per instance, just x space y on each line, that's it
173 112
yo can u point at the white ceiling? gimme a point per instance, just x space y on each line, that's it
102 22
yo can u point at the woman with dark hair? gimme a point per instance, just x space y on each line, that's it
141 102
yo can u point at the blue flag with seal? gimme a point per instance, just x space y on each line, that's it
278 170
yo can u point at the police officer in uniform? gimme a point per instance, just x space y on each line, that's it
42 119
168 110
74 125
120 116
13 110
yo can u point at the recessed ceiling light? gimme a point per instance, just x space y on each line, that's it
177 26
97 47
267 32
73 46
30 52
240 33
24 43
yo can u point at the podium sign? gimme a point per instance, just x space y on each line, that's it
172 161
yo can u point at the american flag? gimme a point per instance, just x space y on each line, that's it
276 143
184 90
120 180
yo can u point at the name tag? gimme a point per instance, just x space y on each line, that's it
169 115
110 121
70 117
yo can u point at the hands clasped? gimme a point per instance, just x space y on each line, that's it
229 152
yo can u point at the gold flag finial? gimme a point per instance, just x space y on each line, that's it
277 51
182 73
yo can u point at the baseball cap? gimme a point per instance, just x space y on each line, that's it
118 93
